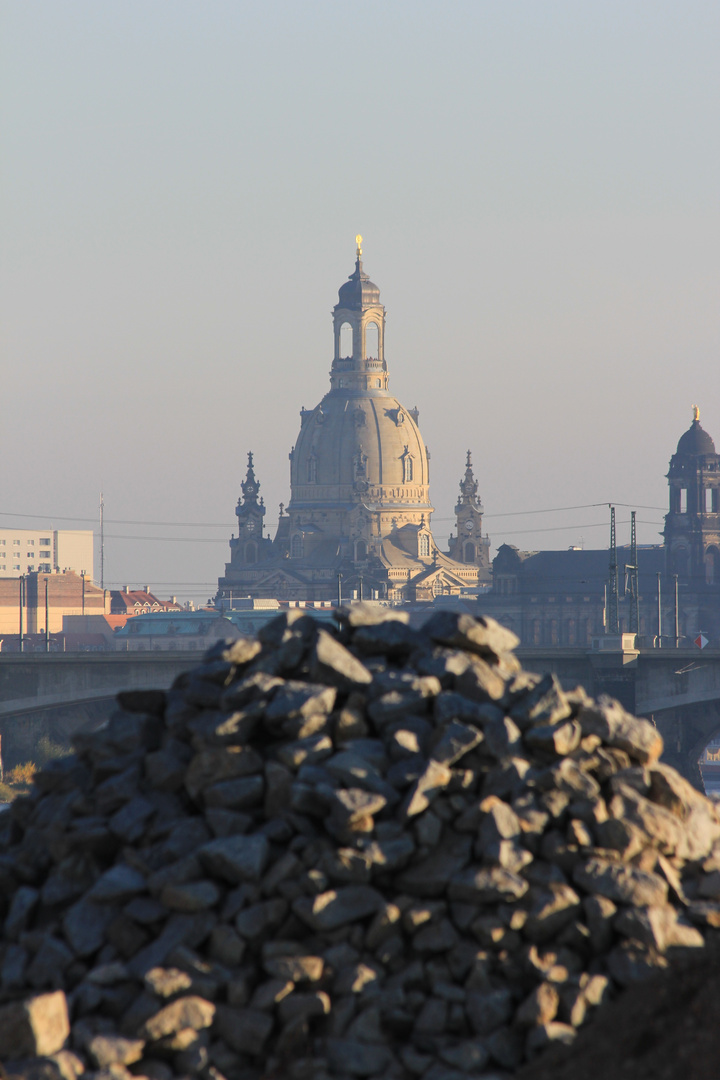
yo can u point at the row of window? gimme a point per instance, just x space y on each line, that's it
709 500
567 631
361 550
407 467
43 542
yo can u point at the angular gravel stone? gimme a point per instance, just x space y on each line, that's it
105 1050
193 896
608 720
35 1027
624 884
486 886
333 664
236 858
84 926
244 1030
116 885
338 907
432 781
187 1012
488 1010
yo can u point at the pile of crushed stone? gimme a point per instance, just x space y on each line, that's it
377 852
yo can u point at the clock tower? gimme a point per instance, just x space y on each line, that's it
470 546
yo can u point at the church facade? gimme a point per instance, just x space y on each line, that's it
560 597
359 518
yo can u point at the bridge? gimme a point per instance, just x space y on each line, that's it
55 694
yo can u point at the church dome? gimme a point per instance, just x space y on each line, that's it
358 291
359 443
695 441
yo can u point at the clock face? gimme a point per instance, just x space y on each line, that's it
468 526
250 488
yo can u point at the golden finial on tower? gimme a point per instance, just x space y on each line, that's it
358 241
696 413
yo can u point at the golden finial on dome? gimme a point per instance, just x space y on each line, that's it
696 412
358 241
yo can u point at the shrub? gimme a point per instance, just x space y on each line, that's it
22 774
47 750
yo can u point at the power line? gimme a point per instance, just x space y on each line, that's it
570 528
561 509
229 525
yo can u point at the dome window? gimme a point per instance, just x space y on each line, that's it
423 545
296 546
360 551
312 470
407 464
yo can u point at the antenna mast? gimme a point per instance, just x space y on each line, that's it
613 626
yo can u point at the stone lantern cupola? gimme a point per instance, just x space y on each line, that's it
359 326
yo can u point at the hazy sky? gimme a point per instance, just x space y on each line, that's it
538 187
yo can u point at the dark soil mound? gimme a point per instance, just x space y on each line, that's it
665 1029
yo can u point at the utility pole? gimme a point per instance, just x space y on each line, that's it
613 621
339 577
47 619
677 614
659 613
22 613
102 541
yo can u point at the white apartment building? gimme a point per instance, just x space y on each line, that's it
26 551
